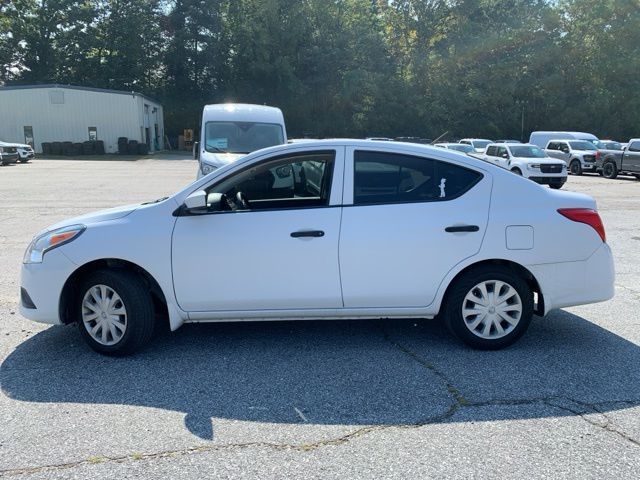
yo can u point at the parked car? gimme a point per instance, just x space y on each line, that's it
529 161
8 153
25 151
507 141
324 230
542 138
460 147
478 144
231 130
380 139
625 162
579 155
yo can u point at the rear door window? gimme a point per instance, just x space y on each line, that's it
384 177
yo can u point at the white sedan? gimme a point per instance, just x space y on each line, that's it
324 230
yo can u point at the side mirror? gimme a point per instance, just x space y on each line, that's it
196 201
196 150
505 155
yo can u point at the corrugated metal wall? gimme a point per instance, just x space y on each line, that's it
65 114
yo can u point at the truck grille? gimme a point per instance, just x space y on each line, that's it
554 168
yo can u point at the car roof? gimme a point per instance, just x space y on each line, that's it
243 112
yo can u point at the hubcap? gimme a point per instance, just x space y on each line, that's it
104 315
492 309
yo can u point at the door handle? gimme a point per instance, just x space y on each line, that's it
462 228
308 233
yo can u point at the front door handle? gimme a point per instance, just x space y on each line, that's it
462 228
308 233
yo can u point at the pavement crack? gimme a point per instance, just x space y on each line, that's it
586 410
634 292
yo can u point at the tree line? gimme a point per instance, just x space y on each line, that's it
489 68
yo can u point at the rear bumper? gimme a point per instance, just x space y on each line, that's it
569 284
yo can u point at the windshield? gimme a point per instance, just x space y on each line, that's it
526 151
462 148
241 137
480 143
582 145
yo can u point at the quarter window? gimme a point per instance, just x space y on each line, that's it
491 151
381 177
299 181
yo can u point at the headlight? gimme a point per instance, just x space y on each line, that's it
49 240
206 169
533 166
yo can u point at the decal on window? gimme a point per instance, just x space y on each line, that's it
442 182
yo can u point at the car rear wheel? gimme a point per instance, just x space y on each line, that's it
115 312
489 308
609 170
575 168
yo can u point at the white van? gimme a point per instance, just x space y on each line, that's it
541 139
231 130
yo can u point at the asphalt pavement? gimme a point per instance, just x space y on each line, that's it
333 399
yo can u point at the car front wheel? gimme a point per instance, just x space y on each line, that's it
489 308
115 312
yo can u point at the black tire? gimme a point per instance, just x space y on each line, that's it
575 167
137 302
453 305
517 171
556 186
609 170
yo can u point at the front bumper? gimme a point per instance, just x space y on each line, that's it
26 154
42 284
559 180
568 284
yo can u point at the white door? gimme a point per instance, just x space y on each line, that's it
412 220
501 160
279 250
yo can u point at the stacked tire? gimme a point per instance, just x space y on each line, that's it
123 145
56 148
132 148
143 149
99 147
88 147
46 148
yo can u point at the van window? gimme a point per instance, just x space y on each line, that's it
381 177
241 137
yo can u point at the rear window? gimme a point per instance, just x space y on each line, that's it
381 177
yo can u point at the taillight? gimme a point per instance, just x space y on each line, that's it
585 215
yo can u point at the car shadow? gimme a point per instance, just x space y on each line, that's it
335 372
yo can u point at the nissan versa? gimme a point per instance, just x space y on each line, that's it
324 230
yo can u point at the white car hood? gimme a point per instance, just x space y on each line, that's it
96 217
220 159
544 161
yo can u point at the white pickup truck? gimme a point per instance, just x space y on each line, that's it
527 160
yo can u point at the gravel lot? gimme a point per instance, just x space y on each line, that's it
360 399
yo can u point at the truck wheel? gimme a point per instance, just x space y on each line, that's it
556 186
575 168
609 170
489 308
517 171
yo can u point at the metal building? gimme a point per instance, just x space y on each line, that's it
57 113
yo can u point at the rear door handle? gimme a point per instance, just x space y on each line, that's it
308 233
462 228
